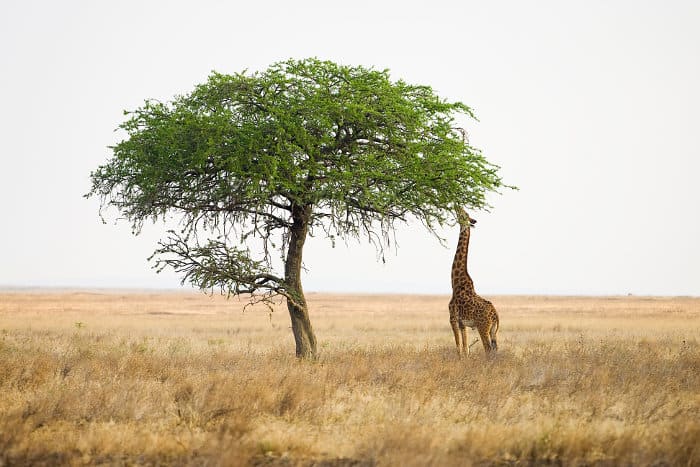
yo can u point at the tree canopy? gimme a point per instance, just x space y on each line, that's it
306 145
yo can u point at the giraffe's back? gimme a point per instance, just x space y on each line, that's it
473 310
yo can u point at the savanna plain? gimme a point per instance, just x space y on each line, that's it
115 378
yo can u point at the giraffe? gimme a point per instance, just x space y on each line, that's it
467 309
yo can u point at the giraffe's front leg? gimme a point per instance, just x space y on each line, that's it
455 325
455 330
465 341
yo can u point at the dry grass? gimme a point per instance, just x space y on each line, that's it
187 379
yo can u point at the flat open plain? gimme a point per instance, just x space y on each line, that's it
184 378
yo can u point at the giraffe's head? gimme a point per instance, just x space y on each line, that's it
464 219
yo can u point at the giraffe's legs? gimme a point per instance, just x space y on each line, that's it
455 330
454 322
465 341
484 334
492 334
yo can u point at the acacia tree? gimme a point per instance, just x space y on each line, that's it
303 147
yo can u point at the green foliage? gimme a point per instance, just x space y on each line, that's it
241 153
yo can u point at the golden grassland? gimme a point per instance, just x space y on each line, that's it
183 378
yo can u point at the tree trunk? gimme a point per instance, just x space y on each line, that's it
298 311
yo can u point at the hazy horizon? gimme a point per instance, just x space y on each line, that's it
58 289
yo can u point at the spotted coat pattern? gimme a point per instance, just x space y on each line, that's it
467 309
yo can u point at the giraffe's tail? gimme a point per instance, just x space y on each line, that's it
493 332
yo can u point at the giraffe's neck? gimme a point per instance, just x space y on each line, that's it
460 276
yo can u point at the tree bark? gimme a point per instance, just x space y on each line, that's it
304 336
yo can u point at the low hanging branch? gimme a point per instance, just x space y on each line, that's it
218 266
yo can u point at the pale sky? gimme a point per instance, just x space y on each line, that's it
592 108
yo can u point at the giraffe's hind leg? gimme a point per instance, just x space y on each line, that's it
485 338
493 332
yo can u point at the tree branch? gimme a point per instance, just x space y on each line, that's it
215 265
